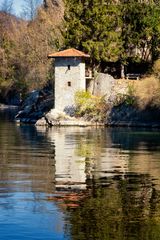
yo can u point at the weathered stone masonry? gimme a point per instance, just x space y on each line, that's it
69 78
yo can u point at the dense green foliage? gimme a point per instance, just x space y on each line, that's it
141 29
113 31
119 211
94 26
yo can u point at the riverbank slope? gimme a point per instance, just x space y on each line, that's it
114 103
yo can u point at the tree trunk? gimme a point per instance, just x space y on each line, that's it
122 71
45 3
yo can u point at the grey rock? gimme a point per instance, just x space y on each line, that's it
128 115
102 85
35 106
41 122
70 110
58 118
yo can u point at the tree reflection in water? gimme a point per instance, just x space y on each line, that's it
128 208
115 191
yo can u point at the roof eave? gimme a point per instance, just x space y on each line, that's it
87 56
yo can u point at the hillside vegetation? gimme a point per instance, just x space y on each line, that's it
126 33
121 36
24 46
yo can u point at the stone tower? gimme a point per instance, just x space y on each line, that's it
69 76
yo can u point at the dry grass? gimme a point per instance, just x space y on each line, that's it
145 92
156 68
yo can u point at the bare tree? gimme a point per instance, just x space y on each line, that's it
30 8
51 3
45 3
6 6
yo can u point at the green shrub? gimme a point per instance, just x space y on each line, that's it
89 106
128 98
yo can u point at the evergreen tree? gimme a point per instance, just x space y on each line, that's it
94 26
140 30
111 31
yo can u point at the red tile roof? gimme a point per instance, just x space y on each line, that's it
69 53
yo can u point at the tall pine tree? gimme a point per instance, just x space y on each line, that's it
114 31
94 26
140 30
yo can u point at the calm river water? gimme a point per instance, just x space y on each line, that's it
78 183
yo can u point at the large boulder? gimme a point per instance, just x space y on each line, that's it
35 106
54 116
102 85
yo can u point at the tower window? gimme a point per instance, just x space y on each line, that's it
69 84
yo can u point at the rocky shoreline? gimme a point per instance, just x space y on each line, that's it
58 118
134 124
120 116
38 109
130 116
115 118
4 106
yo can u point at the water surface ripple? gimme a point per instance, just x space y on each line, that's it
78 183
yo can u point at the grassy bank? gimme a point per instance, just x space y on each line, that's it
142 93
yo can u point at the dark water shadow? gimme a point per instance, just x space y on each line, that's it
132 138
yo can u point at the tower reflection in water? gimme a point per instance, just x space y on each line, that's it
83 154
114 175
